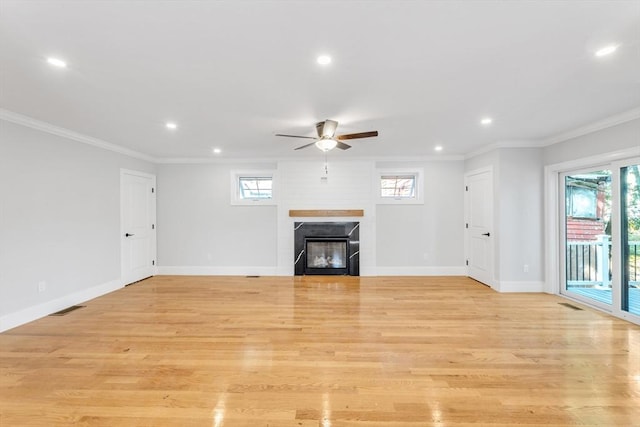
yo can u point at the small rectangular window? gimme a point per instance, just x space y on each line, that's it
255 187
398 186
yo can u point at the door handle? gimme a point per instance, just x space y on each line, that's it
128 235
484 234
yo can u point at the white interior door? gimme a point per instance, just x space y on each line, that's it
137 201
479 225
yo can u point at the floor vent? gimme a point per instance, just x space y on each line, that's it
566 304
137 281
67 310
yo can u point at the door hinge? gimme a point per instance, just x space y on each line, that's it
153 226
466 188
466 225
467 262
153 262
153 190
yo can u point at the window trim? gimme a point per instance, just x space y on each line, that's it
417 173
236 192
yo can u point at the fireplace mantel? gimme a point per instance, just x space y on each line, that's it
326 212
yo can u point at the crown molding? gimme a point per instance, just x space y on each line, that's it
209 161
611 121
608 122
503 144
75 136
427 158
30 122
231 160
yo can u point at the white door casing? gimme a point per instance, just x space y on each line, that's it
479 225
137 225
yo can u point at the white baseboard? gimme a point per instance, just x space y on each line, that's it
216 271
367 271
35 312
421 271
275 271
504 286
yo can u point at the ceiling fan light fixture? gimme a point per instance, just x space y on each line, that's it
326 144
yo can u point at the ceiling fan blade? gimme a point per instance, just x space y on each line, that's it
357 135
343 146
327 128
295 136
305 146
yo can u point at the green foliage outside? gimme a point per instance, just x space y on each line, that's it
633 201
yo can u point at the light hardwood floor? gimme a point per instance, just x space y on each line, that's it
321 352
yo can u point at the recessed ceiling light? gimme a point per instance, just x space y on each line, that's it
171 125
486 121
57 62
607 50
438 148
217 151
324 60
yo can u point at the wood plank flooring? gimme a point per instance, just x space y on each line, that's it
321 352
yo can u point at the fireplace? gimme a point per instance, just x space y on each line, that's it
326 256
327 248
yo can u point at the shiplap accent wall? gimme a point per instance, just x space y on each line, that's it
305 185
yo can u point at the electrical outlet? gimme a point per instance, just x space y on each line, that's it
525 268
425 256
42 286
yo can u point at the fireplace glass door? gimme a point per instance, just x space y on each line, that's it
326 256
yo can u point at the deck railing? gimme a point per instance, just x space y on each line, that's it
589 263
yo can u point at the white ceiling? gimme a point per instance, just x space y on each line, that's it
231 74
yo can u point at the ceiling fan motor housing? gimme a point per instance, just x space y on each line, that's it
326 128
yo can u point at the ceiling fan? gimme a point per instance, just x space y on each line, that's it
327 138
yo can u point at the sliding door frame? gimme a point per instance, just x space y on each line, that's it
554 217
563 288
623 239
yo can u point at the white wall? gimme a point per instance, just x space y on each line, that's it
600 143
521 188
59 221
427 238
201 232
518 216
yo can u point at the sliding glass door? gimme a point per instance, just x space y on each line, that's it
587 225
601 237
630 237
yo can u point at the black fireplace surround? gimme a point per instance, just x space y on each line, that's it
327 248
